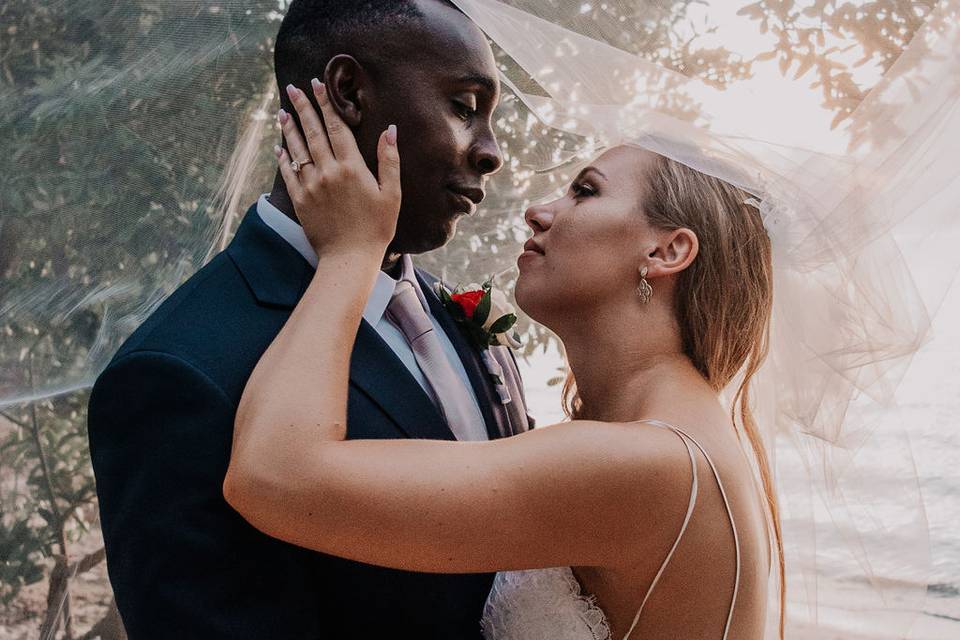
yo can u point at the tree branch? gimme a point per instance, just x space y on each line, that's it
9 418
88 562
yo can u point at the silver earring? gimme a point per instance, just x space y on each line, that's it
645 291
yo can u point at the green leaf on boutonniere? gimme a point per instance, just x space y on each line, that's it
483 309
479 335
444 294
503 324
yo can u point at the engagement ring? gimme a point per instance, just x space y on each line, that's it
296 165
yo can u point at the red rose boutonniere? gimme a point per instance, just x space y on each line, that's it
484 314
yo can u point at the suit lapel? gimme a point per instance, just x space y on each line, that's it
378 372
494 413
278 276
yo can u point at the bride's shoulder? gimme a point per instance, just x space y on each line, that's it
642 433
621 450
631 434
581 477
602 470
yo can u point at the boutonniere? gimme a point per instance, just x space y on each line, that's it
484 314
487 318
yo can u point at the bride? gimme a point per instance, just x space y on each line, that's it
643 516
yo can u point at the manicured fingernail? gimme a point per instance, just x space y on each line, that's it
277 149
292 91
320 90
392 134
282 116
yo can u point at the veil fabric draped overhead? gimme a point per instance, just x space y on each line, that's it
861 208
130 135
136 133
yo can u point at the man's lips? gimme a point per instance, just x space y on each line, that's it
467 197
462 204
473 194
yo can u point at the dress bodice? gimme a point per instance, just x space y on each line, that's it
549 603
542 603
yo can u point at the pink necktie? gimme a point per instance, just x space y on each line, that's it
406 311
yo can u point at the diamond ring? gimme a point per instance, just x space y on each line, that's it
296 165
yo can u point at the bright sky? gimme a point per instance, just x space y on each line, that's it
786 100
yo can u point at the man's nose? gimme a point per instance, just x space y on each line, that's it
487 158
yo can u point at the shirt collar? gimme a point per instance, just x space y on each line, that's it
286 229
383 288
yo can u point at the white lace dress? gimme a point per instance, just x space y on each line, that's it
541 604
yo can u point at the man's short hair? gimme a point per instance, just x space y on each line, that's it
313 31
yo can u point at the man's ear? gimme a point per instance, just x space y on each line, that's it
674 252
346 82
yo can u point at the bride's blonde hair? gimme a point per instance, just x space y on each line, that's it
723 300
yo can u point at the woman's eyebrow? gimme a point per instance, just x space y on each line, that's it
594 169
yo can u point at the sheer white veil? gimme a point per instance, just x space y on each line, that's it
123 171
131 142
862 214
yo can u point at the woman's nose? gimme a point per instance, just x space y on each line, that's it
539 217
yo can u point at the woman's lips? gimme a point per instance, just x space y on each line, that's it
531 250
531 246
528 255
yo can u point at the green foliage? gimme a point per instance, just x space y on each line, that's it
104 190
21 558
503 324
48 490
104 207
483 309
107 172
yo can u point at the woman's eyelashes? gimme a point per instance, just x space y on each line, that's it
582 190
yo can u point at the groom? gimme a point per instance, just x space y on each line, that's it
181 562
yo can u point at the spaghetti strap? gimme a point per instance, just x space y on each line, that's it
689 442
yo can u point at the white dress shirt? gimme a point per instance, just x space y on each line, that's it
374 313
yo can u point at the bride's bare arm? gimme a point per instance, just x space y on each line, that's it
573 494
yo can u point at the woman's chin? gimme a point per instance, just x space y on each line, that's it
529 297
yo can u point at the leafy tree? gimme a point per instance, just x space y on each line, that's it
814 38
104 208
117 121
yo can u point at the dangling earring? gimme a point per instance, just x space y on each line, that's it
645 291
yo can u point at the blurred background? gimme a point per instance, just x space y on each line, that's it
134 135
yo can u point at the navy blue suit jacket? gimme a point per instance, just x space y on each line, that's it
182 563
